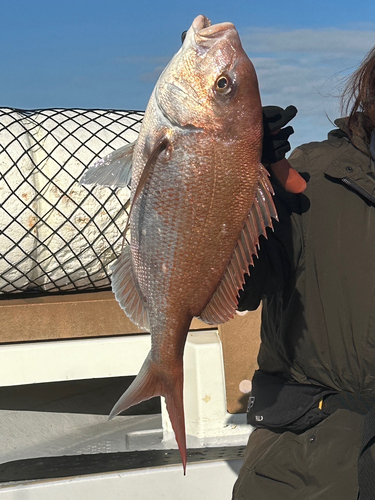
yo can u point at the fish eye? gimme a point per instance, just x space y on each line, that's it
223 85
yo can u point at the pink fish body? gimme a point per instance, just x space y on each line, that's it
200 200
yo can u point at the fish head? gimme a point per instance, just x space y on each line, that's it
211 83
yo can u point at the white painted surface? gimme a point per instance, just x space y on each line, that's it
37 362
207 421
31 434
204 386
204 481
206 418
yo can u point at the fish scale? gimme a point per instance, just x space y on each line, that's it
200 201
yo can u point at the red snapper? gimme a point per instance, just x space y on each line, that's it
200 199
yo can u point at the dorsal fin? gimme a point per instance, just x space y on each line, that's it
114 170
126 290
223 303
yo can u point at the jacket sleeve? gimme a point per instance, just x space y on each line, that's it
281 254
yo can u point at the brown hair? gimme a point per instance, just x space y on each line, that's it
359 96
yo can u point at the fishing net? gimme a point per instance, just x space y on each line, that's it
56 235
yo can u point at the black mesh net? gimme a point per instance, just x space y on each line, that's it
56 235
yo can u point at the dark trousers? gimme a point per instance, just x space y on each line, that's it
319 464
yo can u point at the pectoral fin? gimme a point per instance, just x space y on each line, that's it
114 170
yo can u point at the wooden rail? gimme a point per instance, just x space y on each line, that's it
95 315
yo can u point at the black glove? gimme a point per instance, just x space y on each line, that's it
275 146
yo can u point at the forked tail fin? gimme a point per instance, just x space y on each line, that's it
152 380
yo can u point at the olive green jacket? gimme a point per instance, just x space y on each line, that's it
316 272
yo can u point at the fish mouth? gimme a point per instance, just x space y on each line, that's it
203 27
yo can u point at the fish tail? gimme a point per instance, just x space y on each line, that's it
175 406
153 381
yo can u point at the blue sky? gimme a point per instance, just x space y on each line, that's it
108 54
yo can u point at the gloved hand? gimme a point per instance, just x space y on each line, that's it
276 145
275 137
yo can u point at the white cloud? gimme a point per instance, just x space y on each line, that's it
327 41
307 68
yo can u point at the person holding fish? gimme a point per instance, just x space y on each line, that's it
313 398
201 204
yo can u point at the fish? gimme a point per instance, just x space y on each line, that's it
200 199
